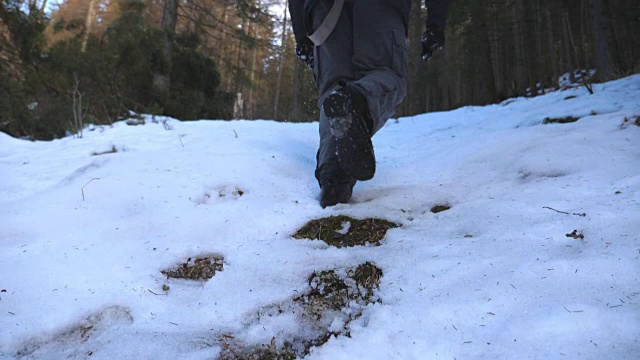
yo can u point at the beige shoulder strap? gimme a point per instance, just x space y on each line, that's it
329 23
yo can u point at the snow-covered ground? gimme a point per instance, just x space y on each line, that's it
83 237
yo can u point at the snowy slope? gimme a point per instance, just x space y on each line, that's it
83 237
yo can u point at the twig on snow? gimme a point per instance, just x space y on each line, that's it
82 188
558 211
572 311
155 293
564 212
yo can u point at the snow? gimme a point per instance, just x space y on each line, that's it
83 237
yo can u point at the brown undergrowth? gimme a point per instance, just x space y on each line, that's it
200 268
334 296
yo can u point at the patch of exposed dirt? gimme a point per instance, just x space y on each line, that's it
526 175
111 150
564 120
630 121
575 234
344 231
336 296
440 208
230 191
232 350
200 268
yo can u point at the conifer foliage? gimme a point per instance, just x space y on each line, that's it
68 63
52 89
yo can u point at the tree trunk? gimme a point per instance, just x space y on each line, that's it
574 48
612 36
496 63
297 111
566 45
252 73
583 53
484 89
412 104
87 24
519 68
281 61
252 77
538 62
552 48
236 88
162 78
604 66
223 34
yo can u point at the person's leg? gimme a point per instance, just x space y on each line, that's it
361 73
363 102
332 66
380 55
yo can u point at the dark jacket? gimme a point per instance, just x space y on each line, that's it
300 11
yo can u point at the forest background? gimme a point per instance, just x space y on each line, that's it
72 62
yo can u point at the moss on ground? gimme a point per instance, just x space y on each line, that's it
344 231
200 268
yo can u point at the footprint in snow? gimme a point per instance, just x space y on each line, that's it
74 341
219 194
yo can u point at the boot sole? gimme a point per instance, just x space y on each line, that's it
353 142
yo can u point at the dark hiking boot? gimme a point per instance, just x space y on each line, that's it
336 185
333 193
350 124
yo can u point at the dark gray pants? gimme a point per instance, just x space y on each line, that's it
368 50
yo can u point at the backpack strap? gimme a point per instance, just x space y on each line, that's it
329 23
